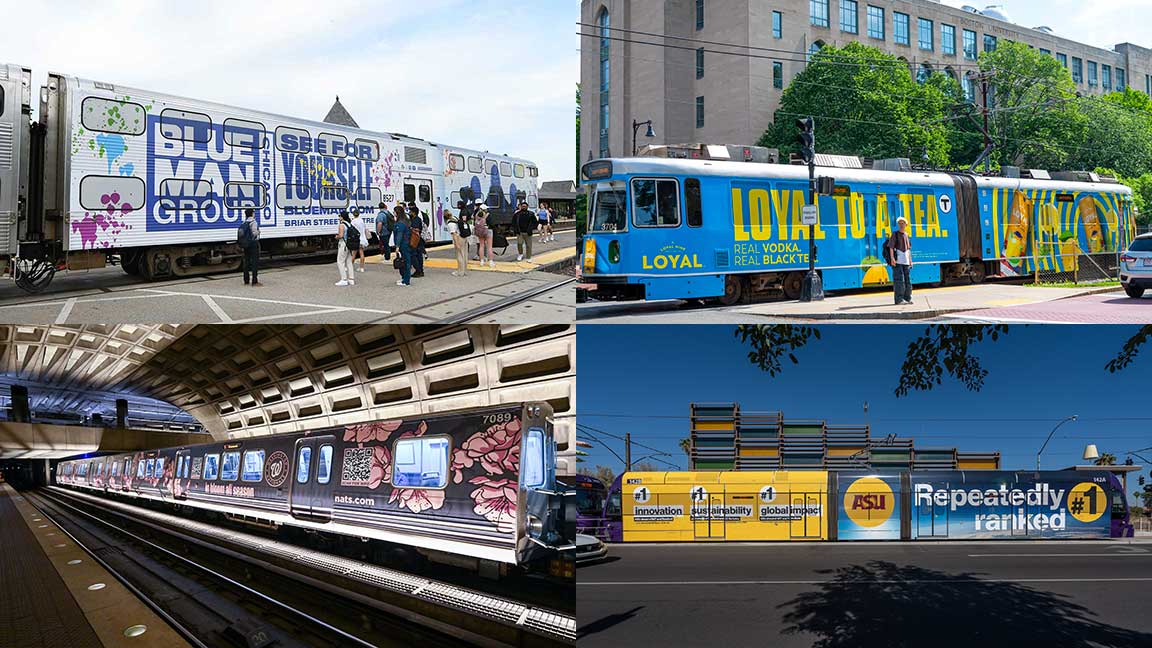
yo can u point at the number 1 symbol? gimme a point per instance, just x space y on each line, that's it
1091 494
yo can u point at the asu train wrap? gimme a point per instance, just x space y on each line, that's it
820 505
666 228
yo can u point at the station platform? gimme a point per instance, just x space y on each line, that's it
53 593
545 256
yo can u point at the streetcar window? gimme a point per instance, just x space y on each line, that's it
475 165
107 115
421 463
302 461
534 172
375 197
179 467
96 192
655 203
159 472
182 194
456 162
612 509
491 167
1119 509
331 145
505 168
409 193
333 197
367 150
186 126
532 461
244 133
242 195
231 467
518 170
608 214
293 140
693 210
211 466
115 469
140 469
253 466
148 472
324 467
425 193
127 467
293 196
187 466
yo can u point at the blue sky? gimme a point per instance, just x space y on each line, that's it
485 74
640 379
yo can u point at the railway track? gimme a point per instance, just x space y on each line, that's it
221 594
505 303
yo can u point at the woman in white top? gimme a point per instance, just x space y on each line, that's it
459 242
343 254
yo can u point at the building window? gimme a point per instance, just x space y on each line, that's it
777 74
699 112
1121 80
924 72
848 21
700 63
900 27
989 43
1092 77
1106 77
699 15
605 25
819 11
1045 52
970 89
948 40
925 35
777 24
876 22
1063 60
1077 70
969 44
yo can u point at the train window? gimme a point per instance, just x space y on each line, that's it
612 507
518 170
253 466
425 193
244 133
97 191
107 115
140 469
655 203
491 167
127 467
1119 509
532 461
693 211
409 193
333 197
455 162
116 469
421 462
475 165
534 172
1 101
185 125
159 471
331 145
187 467
182 194
242 195
151 467
533 202
293 196
324 466
293 140
231 466
211 466
375 196
303 460
608 213
367 150
505 169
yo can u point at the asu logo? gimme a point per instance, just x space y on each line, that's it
869 502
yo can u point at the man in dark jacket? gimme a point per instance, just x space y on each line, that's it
249 241
524 223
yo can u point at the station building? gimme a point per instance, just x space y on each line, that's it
694 95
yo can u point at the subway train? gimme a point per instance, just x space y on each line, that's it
814 505
726 231
475 488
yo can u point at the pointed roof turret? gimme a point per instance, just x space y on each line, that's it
339 115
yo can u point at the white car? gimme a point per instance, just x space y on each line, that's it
589 548
1136 266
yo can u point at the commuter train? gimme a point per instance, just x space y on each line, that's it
818 505
160 183
590 496
694 229
474 487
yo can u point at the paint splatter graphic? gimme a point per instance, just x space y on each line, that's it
107 223
382 171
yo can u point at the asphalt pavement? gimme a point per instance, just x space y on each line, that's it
869 595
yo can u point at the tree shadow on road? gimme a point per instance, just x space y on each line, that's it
881 604
603 623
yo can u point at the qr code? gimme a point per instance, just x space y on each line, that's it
197 464
357 467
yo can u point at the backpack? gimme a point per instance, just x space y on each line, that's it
465 231
244 235
414 239
351 236
886 251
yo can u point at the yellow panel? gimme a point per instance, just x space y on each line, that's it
714 425
843 452
759 452
972 464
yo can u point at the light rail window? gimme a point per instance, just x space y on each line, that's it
456 162
655 203
518 170
334 197
293 196
293 140
107 115
180 461
375 197
409 193
303 462
231 467
421 462
425 193
532 465
159 471
211 466
692 205
148 472
96 192
244 133
491 167
608 214
253 466
185 125
116 469
505 169
367 150
140 469
187 467
324 466
243 195
332 145
534 172
475 165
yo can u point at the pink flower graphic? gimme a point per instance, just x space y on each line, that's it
417 500
497 449
365 432
496 500
381 472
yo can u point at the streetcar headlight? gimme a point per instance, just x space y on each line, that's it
614 251
589 255
535 526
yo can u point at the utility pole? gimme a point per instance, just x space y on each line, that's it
987 136
628 450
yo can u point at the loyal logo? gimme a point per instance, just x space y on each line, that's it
869 502
1087 502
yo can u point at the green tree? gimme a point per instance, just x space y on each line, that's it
1113 136
686 446
603 473
1106 459
865 103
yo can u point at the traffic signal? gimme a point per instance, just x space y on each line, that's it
807 139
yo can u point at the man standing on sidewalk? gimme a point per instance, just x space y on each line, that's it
523 223
248 237
384 223
898 253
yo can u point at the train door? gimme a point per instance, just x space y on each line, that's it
183 460
420 191
932 520
874 270
311 493
805 516
15 139
707 514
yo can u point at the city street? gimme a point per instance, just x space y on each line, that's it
869 594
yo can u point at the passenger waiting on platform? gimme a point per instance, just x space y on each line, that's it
542 222
248 238
483 225
524 222
416 240
347 240
362 228
459 231
384 222
401 233
898 250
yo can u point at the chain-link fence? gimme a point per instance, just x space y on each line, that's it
1066 262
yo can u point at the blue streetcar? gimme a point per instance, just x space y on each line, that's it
694 229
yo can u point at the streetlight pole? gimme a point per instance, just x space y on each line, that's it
1070 418
636 128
